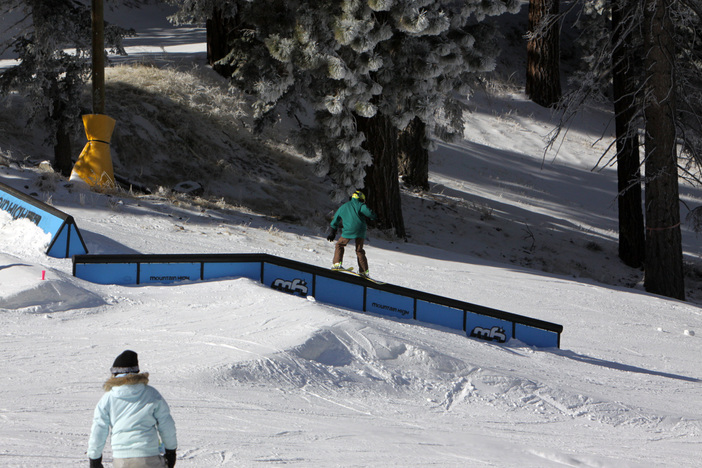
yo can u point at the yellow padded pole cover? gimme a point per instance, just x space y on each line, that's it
94 165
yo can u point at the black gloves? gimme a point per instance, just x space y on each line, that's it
96 462
170 457
332 235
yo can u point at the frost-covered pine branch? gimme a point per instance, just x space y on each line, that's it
357 59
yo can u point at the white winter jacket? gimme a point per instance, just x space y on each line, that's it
138 416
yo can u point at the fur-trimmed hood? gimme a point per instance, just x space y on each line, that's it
130 379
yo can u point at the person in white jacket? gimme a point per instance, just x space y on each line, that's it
138 417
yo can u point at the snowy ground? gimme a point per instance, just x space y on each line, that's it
259 378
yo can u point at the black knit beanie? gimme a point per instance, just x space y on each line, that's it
126 363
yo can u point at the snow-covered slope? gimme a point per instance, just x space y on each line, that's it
256 377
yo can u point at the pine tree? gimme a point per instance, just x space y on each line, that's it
367 68
626 45
664 264
657 45
53 49
413 163
543 79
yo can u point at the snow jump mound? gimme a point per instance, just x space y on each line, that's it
325 286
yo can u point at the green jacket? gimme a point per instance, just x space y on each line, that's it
353 215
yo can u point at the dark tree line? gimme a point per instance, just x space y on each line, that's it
646 53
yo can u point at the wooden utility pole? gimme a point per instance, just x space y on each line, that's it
98 25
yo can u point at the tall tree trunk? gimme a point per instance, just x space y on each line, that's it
219 29
413 157
664 265
98 56
62 148
543 80
632 239
382 185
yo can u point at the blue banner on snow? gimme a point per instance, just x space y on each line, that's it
326 286
66 240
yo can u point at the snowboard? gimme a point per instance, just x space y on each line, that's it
350 270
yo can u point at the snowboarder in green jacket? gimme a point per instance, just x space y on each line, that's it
353 216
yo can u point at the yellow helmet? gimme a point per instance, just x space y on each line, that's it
358 194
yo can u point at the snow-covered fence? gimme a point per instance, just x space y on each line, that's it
66 240
335 288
